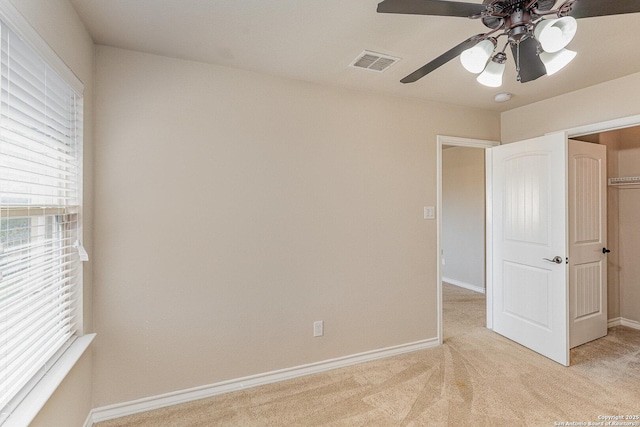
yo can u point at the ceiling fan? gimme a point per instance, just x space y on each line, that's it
538 44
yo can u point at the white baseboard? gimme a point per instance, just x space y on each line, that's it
621 321
465 285
614 322
182 396
89 421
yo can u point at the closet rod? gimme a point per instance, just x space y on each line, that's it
624 181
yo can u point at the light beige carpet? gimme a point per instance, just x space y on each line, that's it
476 378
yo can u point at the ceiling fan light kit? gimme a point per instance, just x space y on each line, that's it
538 43
552 36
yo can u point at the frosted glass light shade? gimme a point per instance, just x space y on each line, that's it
475 58
555 34
492 75
555 62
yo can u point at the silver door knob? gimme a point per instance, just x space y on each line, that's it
556 259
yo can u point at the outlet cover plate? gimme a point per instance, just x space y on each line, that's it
318 328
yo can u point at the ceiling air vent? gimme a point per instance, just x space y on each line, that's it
374 61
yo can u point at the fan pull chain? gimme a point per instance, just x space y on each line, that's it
518 61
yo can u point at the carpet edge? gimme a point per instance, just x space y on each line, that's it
118 410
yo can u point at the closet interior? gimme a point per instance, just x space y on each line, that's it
623 225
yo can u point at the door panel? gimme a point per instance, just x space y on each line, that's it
587 237
529 205
526 294
588 288
526 218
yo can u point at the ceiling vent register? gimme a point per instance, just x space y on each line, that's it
374 61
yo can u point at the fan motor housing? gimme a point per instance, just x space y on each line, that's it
500 10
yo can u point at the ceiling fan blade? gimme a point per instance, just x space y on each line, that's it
588 8
531 67
442 59
431 7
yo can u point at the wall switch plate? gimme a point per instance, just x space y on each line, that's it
318 328
429 212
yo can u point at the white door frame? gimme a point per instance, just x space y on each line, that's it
588 129
458 142
621 123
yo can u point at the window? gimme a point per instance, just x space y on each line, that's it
40 208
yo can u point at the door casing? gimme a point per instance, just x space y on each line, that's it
458 142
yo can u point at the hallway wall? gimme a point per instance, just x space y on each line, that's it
463 216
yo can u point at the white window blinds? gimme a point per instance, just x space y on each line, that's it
40 204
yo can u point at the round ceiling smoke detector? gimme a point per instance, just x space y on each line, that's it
502 97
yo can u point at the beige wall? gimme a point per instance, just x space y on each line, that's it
630 253
233 209
57 22
463 211
596 104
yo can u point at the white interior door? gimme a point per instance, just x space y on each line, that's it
529 244
587 239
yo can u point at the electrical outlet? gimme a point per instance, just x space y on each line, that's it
318 328
442 261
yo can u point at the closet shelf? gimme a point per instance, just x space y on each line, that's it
624 181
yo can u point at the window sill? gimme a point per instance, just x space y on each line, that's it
27 410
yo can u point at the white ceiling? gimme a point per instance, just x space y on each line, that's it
316 40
